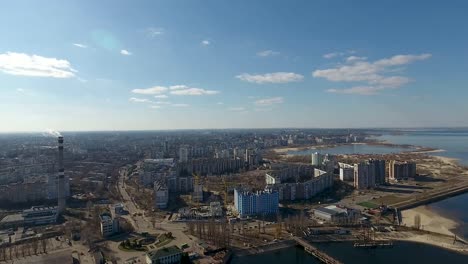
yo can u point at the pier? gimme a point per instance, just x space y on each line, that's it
322 256
373 244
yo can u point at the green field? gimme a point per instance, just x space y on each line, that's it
368 204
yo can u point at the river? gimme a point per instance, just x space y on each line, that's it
455 145
401 252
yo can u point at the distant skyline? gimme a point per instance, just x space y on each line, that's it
163 65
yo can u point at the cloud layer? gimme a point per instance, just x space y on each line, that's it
276 77
125 52
374 75
267 53
83 46
159 91
269 101
34 65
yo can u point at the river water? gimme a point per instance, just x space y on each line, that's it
455 145
401 252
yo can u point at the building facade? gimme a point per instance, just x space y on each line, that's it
161 195
300 183
317 159
369 173
400 170
169 255
262 202
346 172
108 224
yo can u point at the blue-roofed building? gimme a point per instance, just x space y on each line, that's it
249 203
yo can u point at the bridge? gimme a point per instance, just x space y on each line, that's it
322 256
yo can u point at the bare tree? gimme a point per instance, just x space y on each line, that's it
417 221
44 245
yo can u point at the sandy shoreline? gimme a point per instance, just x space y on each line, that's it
430 220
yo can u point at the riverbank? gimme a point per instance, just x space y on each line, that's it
444 242
405 148
429 220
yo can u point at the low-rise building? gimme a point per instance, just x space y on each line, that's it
215 209
169 255
197 194
108 224
119 209
36 215
337 214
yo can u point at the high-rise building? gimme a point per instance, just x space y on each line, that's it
161 195
379 170
183 153
346 172
249 203
368 174
317 159
399 170
108 224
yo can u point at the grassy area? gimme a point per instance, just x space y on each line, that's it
368 204
123 248
163 240
389 199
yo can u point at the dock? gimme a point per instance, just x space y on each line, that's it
317 253
373 244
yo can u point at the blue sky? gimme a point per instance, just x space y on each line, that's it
131 65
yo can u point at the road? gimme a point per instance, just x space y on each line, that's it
141 223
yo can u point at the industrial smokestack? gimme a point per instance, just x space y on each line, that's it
61 177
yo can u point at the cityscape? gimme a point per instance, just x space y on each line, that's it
210 196
233 132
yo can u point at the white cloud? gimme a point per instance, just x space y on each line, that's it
163 102
263 109
331 55
125 52
154 31
373 74
178 87
361 90
152 90
193 91
20 90
355 58
180 105
276 77
205 42
219 103
33 65
155 106
269 101
139 100
160 91
236 109
267 53
402 59
83 46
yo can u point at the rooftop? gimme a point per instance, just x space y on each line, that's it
164 252
12 218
